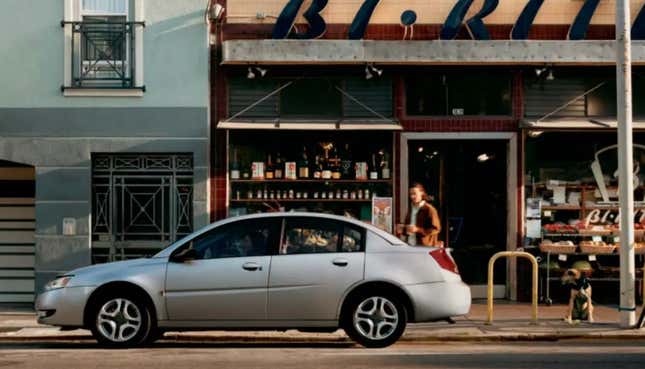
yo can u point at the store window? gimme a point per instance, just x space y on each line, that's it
458 93
317 98
239 239
337 172
579 93
572 209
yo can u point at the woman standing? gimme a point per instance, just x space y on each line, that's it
422 225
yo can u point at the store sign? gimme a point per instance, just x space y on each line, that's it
451 26
611 216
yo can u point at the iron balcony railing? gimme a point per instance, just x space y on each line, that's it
103 54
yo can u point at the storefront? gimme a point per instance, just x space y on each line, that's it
407 92
571 184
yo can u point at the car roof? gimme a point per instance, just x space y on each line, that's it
383 234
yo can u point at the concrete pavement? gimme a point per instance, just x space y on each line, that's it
511 323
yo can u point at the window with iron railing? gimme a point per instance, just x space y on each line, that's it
103 46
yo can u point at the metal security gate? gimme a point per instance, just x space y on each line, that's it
140 204
17 227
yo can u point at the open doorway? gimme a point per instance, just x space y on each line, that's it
468 181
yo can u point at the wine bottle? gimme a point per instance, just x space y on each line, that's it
269 172
385 165
303 165
317 168
373 168
335 167
279 167
235 166
347 163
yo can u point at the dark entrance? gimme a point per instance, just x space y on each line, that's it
468 181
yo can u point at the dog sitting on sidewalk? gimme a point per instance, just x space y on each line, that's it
580 305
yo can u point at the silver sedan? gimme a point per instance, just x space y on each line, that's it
307 271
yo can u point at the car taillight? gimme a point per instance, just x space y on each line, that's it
445 260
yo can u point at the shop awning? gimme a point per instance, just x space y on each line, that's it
599 123
310 125
422 52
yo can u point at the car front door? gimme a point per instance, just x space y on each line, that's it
318 260
228 278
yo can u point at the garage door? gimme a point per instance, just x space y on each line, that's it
16 250
17 226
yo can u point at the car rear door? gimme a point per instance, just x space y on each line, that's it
229 278
317 261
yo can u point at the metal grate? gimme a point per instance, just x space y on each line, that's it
103 53
140 203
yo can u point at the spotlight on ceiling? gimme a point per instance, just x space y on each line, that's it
484 157
262 71
368 74
550 77
378 72
540 71
420 149
250 74
535 134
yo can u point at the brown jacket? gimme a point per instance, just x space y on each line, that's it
428 221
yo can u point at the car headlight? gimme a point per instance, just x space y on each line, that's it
57 283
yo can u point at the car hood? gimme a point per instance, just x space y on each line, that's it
111 267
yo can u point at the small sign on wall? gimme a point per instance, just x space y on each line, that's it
69 227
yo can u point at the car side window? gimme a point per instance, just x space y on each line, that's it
352 239
253 237
310 236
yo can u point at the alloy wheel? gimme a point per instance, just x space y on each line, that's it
119 320
376 318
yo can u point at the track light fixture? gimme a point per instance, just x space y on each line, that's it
251 74
370 70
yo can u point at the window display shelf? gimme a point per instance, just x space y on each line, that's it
561 207
300 200
291 181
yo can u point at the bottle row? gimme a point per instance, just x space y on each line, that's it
338 194
329 164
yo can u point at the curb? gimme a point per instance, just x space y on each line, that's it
340 340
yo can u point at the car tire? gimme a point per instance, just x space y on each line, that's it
375 320
122 320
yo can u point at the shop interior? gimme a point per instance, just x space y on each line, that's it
467 182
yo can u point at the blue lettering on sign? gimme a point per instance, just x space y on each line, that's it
362 19
454 20
475 24
451 26
286 19
524 22
578 29
638 28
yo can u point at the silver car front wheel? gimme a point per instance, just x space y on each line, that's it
119 320
375 320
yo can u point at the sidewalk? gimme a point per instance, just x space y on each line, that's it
511 324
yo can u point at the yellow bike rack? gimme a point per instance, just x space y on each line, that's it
511 254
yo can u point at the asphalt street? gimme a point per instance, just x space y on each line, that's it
556 355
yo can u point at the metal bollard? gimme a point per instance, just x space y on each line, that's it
510 254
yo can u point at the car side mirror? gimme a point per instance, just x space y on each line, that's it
184 256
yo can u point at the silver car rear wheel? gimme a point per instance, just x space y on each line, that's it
119 320
376 318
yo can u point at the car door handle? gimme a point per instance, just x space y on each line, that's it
340 262
251 266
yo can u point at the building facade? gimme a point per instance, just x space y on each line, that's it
104 133
490 105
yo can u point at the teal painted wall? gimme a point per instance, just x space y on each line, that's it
32 57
